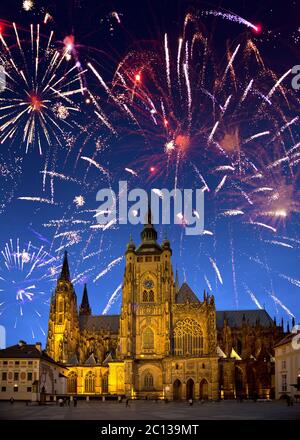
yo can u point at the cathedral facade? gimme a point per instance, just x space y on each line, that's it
166 342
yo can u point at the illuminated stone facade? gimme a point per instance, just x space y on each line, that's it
165 343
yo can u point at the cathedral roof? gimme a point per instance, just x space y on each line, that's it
236 318
185 294
101 322
26 351
91 360
73 360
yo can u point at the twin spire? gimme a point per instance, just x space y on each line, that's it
85 308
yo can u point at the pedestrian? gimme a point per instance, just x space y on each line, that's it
12 400
60 401
75 401
191 402
127 402
68 401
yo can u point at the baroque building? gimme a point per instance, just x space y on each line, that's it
166 342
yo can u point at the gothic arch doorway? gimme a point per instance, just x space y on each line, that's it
251 383
203 390
190 389
238 380
177 390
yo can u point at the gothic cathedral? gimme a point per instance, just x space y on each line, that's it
165 343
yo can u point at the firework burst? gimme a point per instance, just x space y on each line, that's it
37 104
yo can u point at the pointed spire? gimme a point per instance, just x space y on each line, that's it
288 327
275 321
130 245
293 321
65 272
85 306
204 295
149 215
149 234
282 326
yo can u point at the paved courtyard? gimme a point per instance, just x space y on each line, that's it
143 410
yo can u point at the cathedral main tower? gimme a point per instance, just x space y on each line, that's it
148 293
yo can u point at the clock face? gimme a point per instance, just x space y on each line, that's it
148 284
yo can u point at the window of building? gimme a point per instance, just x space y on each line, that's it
72 383
283 365
151 296
16 388
148 339
4 362
89 382
28 389
105 384
148 381
4 376
29 376
17 362
188 338
283 383
3 389
29 362
148 296
16 376
139 259
148 259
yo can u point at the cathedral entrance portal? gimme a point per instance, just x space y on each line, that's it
190 389
238 382
177 390
203 389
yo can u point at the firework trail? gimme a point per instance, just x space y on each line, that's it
253 297
277 300
233 18
112 299
108 268
216 269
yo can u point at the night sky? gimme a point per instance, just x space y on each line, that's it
108 98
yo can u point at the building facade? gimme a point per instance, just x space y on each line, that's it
287 366
166 342
28 373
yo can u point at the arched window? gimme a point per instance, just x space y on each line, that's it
105 384
72 383
145 296
89 382
151 296
148 339
148 296
188 338
148 381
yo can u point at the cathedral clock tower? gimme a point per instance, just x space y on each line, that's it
148 293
